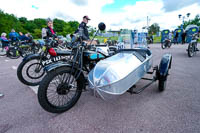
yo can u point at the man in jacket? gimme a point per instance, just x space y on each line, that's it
83 28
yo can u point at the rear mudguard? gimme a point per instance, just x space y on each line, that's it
165 65
31 56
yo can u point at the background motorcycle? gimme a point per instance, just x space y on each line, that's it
192 47
30 71
166 43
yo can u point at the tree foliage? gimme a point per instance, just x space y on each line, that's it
195 21
154 28
22 24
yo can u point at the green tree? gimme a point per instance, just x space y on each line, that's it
154 28
40 23
8 22
30 26
195 21
37 33
91 31
58 25
23 20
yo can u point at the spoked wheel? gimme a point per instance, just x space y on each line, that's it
30 72
13 53
55 95
2 51
191 50
35 71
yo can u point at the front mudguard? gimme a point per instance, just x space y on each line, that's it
55 66
165 65
31 56
52 67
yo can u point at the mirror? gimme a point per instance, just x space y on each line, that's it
102 26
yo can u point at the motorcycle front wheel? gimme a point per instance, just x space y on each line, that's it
30 72
55 95
163 45
191 49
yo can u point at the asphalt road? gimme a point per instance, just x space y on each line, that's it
176 110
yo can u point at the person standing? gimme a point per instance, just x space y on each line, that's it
49 32
183 35
84 29
170 36
83 26
176 37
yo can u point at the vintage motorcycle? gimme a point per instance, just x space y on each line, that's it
192 47
18 48
62 87
166 43
30 71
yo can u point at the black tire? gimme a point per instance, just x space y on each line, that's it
190 50
13 53
169 44
162 85
43 96
163 45
2 51
25 77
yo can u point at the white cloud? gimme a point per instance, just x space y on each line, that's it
131 17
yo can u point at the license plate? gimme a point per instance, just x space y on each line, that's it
53 59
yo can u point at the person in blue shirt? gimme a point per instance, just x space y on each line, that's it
23 37
13 36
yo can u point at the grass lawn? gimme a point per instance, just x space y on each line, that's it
101 39
157 39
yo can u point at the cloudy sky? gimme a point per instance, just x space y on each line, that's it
116 14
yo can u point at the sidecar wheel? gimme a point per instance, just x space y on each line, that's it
54 95
162 85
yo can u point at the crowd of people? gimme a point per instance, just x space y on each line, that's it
175 38
14 36
47 32
183 37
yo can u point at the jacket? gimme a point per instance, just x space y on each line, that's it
49 33
83 28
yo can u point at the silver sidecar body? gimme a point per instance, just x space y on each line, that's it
116 74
